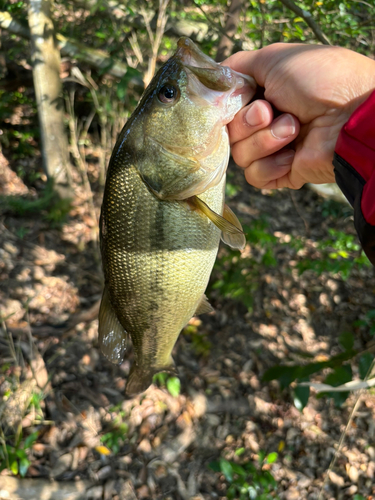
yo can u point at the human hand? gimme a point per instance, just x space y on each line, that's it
316 88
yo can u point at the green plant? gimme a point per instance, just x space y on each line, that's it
15 446
368 322
248 480
53 208
238 276
200 344
115 437
340 367
172 383
339 253
15 457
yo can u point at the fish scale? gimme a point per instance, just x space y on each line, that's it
163 210
187 245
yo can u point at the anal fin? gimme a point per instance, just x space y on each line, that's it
204 306
112 336
140 378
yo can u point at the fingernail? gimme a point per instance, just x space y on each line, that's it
254 115
283 127
285 158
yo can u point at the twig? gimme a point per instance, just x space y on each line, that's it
353 385
217 27
232 18
155 40
307 17
133 40
344 433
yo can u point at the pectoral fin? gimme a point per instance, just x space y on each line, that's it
204 306
233 240
112 336
230 226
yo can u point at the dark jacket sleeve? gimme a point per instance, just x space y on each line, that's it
354 162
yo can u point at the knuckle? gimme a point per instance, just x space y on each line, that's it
239 156
252 179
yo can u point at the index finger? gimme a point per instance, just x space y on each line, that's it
246 62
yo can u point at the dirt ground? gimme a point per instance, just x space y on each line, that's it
158 446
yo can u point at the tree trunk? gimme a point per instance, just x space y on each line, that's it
233 16
48 90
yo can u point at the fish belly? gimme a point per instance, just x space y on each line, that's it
157 259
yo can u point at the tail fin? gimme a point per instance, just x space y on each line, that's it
140 379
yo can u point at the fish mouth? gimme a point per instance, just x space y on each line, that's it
211 74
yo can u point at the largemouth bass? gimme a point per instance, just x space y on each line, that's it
163 209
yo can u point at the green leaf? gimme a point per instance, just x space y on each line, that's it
339 376
261 456
237 469
271 458
239 452
160 378
301 397
364 364
174 386
232 492
14 467
252 492
346 340
122 86
30 440
21 454
24 465
226 469
285 374
215 466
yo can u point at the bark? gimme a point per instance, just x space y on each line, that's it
45 57
226 44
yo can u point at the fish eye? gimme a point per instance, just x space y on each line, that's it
168 94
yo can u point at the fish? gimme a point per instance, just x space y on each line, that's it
163 210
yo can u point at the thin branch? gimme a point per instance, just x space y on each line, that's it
368 377
218 28
155 39
353 385
307 17
231 23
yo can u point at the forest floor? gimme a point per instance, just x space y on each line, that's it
79 429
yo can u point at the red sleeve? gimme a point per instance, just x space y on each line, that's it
354 162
